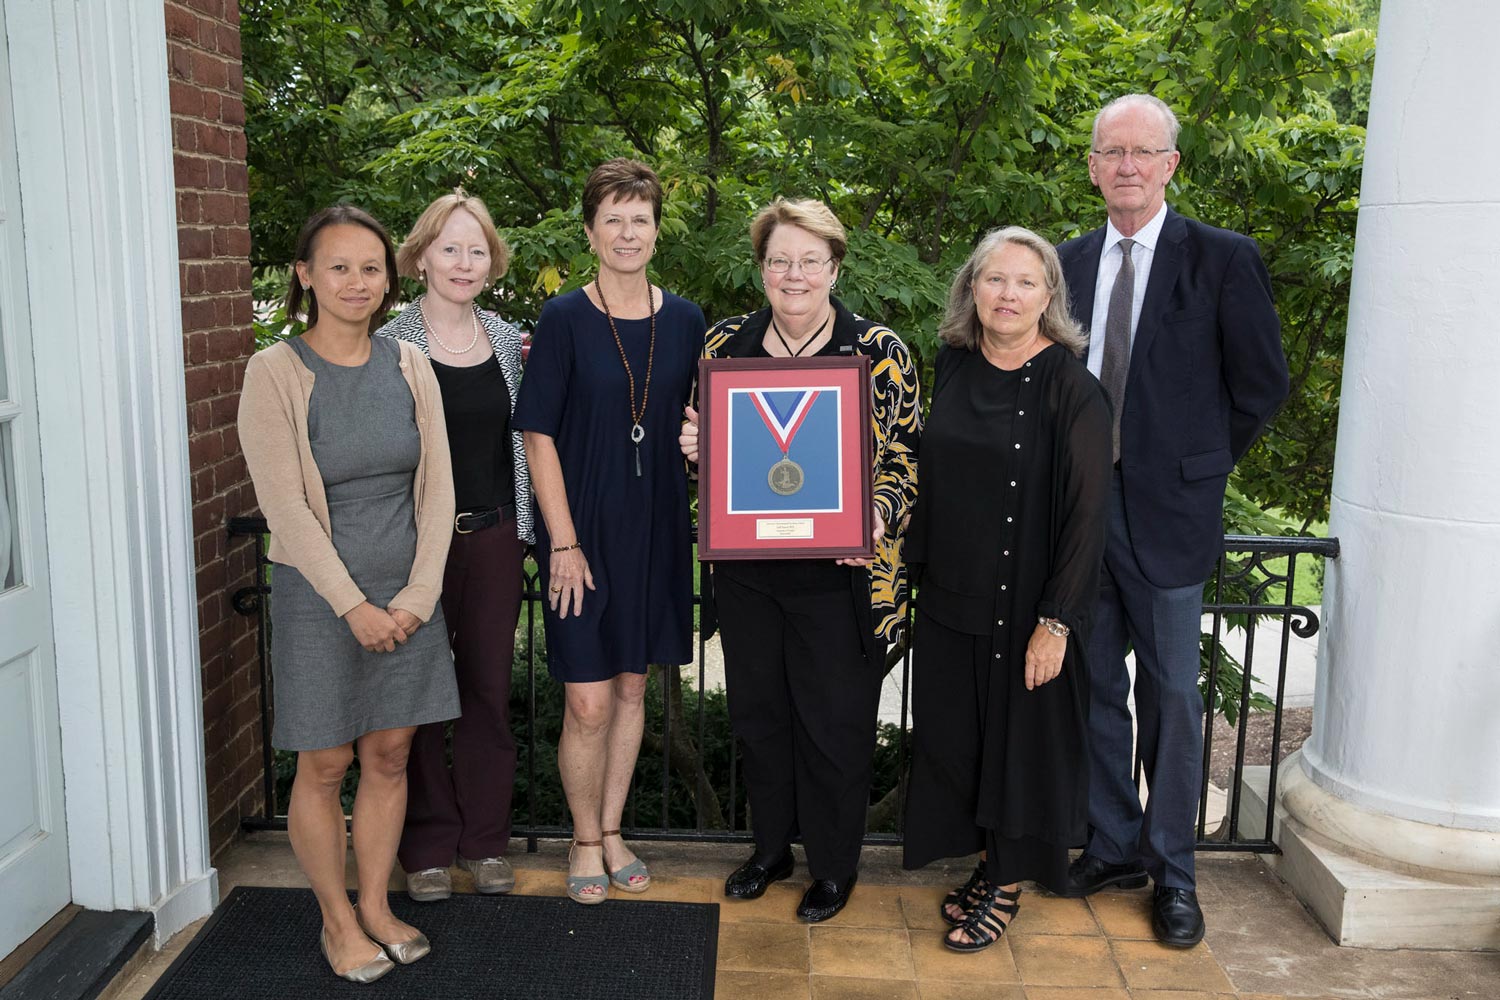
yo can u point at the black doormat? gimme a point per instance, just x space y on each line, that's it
262 944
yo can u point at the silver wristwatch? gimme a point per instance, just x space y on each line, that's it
1055 627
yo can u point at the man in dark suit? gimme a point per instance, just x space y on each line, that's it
1185 340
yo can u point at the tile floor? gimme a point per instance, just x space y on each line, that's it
886 944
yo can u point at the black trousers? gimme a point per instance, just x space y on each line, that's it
803 698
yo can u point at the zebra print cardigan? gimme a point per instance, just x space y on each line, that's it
505 341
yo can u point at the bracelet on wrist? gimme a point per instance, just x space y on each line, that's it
1054 627
567 548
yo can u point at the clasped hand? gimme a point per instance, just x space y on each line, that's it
380 630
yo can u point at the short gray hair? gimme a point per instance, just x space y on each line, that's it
1168 119
961 327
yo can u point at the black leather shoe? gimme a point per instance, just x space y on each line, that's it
824 898
1175 916
749 880
1087 875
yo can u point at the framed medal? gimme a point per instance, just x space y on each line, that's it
784 458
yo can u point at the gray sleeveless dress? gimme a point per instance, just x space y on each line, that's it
361 422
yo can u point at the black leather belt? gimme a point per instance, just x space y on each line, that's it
470 521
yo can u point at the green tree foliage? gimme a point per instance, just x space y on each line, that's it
922 123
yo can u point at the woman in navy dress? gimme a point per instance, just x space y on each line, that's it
610 370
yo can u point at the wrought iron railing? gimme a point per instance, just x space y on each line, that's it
1249 587
1243 589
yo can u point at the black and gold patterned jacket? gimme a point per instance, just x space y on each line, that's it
897 425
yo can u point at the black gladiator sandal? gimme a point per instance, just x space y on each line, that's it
984 926
964 896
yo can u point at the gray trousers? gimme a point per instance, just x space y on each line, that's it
1162 625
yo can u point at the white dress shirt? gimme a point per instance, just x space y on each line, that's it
1110 259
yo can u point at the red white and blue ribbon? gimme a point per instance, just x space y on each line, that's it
784 428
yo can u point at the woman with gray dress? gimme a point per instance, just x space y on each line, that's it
346 444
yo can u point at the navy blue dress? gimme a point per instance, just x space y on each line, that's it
635 530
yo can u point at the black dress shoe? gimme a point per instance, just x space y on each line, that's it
1175 916
824 898
1087 875
749 880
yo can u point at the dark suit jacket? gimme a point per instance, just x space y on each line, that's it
1206 375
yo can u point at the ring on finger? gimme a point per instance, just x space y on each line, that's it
557 590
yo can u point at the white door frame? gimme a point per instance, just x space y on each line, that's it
93 128
34 879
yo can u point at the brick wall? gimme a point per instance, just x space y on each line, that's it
213 240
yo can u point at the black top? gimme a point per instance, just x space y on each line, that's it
972 431
476 408
1018 537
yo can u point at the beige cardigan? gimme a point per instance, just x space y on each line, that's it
289 487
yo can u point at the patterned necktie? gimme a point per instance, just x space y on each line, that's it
1116 366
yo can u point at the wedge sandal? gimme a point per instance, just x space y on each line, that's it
579 884
637 870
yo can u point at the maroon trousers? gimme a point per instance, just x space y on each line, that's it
465 808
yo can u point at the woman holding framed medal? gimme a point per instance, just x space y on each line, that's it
611 367
805 639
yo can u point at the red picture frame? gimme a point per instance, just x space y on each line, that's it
784 459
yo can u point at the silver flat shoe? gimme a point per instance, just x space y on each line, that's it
408 952
404 952
367 973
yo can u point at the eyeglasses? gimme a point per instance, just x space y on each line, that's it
1116 154
809 265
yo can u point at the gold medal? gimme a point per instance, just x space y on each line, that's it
785 477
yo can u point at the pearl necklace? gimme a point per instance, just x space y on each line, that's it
432 331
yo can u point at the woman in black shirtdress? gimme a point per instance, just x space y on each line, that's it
1006 537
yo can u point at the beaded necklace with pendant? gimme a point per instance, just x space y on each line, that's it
637 432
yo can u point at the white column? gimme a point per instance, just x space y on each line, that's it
99 207
1391 815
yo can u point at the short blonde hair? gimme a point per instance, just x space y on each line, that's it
430 224
961 326
804 213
